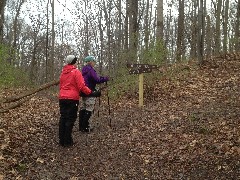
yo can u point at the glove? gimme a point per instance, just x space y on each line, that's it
83 94
96 93
104 79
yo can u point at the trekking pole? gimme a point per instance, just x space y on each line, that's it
99 104
109 109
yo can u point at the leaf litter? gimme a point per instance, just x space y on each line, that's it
187 129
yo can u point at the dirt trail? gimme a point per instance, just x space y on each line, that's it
189 129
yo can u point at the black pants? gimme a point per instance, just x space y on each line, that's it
68 116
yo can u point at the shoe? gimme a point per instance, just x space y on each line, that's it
66 145
61 144
69 145
86 130
81 118
84 121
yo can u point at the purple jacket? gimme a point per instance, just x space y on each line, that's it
91 78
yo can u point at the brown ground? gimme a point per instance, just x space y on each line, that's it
188 129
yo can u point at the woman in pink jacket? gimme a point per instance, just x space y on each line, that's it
71 84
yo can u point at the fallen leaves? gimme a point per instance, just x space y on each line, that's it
188 129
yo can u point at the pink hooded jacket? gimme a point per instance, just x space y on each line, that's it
72 83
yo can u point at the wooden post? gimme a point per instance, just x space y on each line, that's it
140 69
141 90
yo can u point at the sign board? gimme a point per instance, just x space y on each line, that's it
141 68
139 71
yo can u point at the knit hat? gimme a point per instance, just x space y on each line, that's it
89 58
71 59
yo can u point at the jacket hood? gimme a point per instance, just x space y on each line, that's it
68 68
86 69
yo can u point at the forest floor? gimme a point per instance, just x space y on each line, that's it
189 128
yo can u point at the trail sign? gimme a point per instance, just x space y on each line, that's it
141 68
139 71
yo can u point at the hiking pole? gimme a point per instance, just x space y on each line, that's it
109 109
99 100
99 104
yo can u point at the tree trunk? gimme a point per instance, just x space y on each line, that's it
209 37
133 31
16 98
200 33
180 31
14 105
146 26
168 34
159 32
51 66
193 43
33 63
218 31
120 40
237 31
2 6
109 35
126 20
46 48
225 26
86 41
100 24
15 32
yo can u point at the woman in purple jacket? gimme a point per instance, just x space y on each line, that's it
91 78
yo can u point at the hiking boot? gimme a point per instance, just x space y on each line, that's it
81 120
84 125
86 130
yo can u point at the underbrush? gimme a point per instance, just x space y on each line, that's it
10 75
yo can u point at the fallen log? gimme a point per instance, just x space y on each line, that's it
17 104
18 97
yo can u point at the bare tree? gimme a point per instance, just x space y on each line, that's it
51 61
225 26
133 31
180 31
169 32
146 26
218 28
2 6
86 28
159 32
36 38
126 29
200 50
237 31
47 44
209 37
15 31
119 37
107 8
101 38
119 31
193 37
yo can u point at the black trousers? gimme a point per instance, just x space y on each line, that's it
68 116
